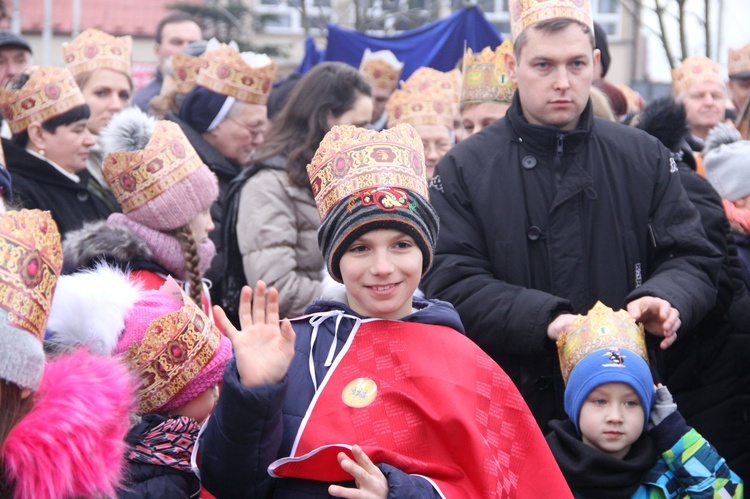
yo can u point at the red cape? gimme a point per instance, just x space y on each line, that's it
439 408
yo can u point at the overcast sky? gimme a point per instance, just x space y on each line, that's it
735 33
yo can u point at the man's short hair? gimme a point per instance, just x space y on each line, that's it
551 26
177 17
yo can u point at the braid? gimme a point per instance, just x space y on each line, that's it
192 262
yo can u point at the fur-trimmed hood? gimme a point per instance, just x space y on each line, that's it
97 241
72 442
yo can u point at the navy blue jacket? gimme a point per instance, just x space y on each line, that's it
251 428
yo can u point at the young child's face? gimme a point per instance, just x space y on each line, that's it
611 419
201 225
381 271
201 406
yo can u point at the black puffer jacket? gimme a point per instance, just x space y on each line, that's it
536 221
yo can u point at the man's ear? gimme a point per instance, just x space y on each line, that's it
510 65
156 50
597 58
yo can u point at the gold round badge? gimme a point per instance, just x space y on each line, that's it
360 392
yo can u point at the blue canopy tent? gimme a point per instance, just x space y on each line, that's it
437 45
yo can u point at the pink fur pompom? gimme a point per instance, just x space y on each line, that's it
72 443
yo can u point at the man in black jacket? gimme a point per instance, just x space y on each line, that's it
549 210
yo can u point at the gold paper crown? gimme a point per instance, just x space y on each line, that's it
524 13
174 349
137 177
352 159
695 69
186 68
94 49
739 62
485 77
429 106
226 73
602 328
428 79
378 72
49 92
30 261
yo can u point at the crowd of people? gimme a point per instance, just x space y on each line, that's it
512 279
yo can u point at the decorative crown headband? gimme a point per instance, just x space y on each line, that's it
352 159
695 69
485 76
426 78
524 13
739 61
94 49
225 71
186 69
429 106
601 328
381 69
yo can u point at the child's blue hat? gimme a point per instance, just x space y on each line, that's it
609 365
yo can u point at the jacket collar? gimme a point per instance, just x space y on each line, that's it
21 162
544 139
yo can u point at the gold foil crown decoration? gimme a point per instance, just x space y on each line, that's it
94 49
601 328
174 349
137 177
485 76
381 69
429 79
226 72
352 159
49 92
524 13
430 106
186 69
739 62
30 262
695 69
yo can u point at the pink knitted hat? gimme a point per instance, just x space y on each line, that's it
174 348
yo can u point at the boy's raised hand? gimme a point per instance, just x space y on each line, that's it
371 483
263 347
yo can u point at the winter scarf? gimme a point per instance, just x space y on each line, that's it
164 442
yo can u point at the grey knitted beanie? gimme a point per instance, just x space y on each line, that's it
727 162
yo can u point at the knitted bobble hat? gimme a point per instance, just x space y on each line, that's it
154 172
727 161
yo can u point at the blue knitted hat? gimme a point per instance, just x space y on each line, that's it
610 365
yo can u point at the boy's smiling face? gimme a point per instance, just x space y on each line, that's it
611 419
381 270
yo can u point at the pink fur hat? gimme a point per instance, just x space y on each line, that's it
165 338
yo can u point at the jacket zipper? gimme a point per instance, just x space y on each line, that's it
559 159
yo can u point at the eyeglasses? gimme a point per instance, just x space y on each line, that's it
254 132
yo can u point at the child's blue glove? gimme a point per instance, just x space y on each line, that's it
663 406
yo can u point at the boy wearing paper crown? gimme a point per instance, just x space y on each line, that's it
625 437
574 209
359 388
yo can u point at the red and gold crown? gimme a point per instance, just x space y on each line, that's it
601 328
49 92
381 69
524 13
429 106
225 71
695 69
30 261
175 348
352 159
94 49
739 62
138 177
186 69
485 77
424 79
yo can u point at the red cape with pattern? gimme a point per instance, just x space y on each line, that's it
442 409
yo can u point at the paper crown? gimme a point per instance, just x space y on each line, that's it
94 49
485 77
430 106
30 261
601 328
426 78
174 349
524 13
49 92
352 159
138 177
695 69
739 62
381 69
186 69
225 71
